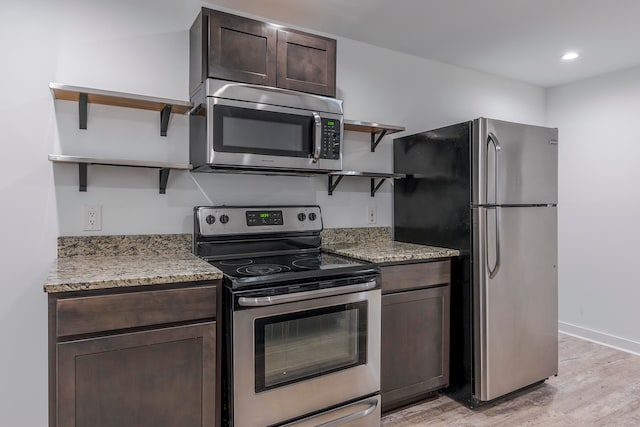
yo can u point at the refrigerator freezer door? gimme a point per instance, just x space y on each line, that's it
514 164
516 311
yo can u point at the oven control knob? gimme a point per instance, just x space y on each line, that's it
224 219
301 216
210 219
312 216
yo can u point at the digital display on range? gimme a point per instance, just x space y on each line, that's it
264 218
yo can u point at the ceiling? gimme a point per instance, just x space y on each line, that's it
517 39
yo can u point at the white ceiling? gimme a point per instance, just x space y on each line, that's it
518 39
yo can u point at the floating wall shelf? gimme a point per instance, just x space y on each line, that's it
85 95
377 130
83 162
371 175
257 171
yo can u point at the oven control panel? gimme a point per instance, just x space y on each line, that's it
259 218
229 220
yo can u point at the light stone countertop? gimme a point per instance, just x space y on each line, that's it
100 272
389 251
101 262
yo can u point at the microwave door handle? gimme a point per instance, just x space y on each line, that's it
317 138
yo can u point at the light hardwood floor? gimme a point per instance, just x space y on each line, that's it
595 386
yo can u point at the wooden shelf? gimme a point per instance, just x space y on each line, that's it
83 162
373 176
377 130
85 95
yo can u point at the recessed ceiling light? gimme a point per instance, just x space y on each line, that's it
569 56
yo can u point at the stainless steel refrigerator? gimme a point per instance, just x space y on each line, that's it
489 189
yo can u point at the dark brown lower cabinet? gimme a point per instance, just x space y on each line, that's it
160 375
415 332
154 378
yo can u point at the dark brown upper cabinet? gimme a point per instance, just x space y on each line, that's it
230 47
306 63
241 49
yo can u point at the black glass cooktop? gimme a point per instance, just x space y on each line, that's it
288 267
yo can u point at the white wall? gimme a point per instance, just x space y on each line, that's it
141 46
599 207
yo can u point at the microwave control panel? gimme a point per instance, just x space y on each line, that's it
331 139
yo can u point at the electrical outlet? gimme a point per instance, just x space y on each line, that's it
372 214
92 217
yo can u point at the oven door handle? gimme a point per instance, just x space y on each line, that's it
299 296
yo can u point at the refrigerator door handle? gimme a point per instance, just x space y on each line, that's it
493 271
492 138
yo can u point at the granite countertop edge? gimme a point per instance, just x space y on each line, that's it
390 251
81 273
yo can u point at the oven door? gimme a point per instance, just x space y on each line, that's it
248 134
302 357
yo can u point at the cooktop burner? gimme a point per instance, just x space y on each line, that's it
307 262
262 269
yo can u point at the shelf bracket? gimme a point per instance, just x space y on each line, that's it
376 140
164 119
333 185
374 187
82 176
82 110
164 178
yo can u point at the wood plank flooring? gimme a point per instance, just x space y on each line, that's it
596 386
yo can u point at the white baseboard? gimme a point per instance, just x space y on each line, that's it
600 338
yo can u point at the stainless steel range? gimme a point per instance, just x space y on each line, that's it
302 327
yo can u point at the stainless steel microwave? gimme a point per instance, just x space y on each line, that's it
243 126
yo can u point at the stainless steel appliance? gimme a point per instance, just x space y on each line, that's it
489 189
302 327
243 126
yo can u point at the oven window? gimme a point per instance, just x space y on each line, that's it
297 346
244 130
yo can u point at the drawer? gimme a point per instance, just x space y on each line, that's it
90 314
411 276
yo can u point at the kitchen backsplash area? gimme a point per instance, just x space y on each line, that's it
332 236
124 245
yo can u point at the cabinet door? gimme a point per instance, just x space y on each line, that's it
415 344
163 377
306 63
241 49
